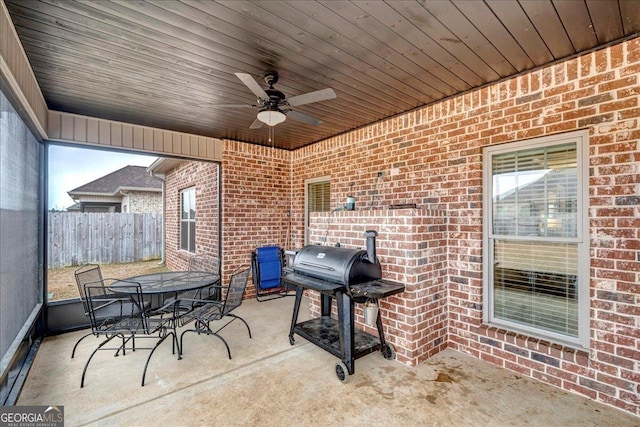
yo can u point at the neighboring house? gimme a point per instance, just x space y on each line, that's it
74 208
539 204
130 189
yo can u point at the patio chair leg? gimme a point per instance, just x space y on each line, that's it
225 344
198 327
243 321
146 365
84 371
176 344
78 342
181 346
209 332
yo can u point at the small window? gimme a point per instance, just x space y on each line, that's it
188 220
536 237
318 199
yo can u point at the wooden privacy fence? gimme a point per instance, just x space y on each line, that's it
76 238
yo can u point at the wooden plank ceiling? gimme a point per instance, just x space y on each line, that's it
171 64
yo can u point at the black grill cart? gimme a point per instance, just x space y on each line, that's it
339 336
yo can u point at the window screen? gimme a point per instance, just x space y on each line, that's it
20 264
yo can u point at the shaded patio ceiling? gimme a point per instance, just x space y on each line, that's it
171 64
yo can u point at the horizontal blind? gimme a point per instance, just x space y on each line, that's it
535 284
535 192
319 196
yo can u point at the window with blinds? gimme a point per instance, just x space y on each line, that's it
534 239
318 199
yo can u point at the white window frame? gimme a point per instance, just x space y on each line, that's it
191 192
306 202
581 138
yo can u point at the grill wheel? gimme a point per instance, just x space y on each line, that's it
342 372
388 352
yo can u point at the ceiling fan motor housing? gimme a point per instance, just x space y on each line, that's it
275 96
271 77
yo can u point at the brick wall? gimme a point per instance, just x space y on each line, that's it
257 202
432 157
204 177
256 209
142 202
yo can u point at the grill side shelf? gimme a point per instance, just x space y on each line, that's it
376 289
324 332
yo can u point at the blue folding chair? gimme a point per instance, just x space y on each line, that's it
266 269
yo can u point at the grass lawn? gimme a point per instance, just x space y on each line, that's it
61 282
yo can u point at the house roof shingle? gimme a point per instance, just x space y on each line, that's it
128 177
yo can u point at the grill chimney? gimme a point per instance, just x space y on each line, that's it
371 245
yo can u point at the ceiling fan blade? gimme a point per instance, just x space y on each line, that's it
307 98
230 105
257 124
303 118
253 85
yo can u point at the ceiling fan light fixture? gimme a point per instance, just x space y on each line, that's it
271 117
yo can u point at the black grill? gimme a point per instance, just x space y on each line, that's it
340 265
348 276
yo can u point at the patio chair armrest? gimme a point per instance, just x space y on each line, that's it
203 309
107 303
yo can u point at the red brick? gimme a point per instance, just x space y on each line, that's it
618 83
633 51
618 105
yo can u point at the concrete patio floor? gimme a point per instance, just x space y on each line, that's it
271 383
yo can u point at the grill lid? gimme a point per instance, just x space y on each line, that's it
339 265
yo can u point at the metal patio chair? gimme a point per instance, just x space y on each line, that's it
206 311
88 273
206 263
210 264
118 311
